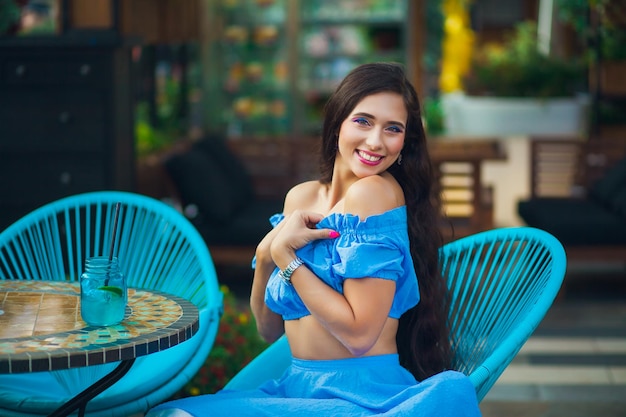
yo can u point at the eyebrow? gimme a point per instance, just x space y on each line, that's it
371 116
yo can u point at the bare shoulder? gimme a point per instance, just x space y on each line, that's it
302 196
372 195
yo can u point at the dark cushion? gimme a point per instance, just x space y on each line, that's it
574 221
241 191
247 228
200 181
603 190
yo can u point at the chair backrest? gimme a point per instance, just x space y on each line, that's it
157 248
502 283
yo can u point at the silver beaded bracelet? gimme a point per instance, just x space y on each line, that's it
285 274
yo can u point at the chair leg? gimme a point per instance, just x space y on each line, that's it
79 402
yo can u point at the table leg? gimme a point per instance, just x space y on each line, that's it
79 402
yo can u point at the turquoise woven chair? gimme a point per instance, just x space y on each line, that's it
157 249
502 283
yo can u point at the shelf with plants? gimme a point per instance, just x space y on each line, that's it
365 11
335 37
270 65
513 89
249 82
608 70
330 51
601 29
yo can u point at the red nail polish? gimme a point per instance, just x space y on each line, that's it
333 234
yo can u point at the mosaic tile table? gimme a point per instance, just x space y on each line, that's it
41 330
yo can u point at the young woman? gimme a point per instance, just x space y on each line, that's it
350 273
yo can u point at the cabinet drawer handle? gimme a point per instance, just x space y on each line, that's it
85 70
64 117
65 178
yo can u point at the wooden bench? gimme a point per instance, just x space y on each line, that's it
566 170
467 202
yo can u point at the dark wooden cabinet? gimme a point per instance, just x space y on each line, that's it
66 121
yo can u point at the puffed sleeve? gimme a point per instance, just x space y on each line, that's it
361 256
276 218
376 247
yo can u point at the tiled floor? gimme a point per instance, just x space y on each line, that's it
575 363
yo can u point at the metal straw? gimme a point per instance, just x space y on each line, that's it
115 220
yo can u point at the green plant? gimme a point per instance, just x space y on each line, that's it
9 15
236 344
519 69
161 123
148 138
433 116
434 27
606 31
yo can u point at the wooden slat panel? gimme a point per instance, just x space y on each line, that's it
554 164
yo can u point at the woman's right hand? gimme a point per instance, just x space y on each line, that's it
298 229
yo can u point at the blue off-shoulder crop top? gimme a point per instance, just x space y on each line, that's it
377 247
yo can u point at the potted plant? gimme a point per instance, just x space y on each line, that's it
601 27
514 89
9 17
597 24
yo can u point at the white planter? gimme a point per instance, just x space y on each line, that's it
495 116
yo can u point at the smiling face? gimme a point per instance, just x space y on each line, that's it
372 136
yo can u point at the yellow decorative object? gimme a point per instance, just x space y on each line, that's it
457 45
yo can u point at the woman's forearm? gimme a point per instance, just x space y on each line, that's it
269 324
356 317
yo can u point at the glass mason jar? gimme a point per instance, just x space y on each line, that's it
103 292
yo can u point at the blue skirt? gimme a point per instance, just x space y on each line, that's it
365 386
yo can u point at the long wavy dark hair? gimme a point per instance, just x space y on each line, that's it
423 334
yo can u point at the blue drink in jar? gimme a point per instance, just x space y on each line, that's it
103 292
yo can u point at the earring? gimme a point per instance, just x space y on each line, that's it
399 159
